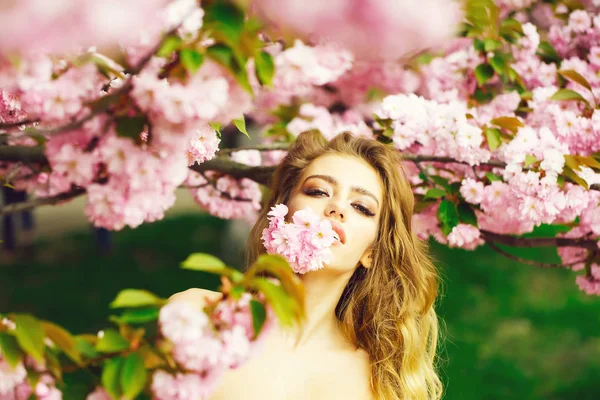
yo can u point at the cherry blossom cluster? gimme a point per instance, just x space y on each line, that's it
429 127
372 29
205 346
305 241
14 384
227 197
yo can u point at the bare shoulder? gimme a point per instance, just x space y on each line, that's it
195 296
353 377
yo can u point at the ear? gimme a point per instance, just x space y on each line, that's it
367 258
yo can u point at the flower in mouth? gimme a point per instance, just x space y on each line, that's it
305 242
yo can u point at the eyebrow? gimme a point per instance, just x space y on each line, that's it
333 181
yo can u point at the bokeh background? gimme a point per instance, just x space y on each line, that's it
511 331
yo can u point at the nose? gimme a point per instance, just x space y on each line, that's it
335 208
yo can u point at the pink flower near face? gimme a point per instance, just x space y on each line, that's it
181 322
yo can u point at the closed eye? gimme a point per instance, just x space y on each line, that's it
364 210
316 192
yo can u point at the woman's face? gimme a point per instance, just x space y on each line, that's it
348 192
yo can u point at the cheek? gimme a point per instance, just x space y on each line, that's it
300 202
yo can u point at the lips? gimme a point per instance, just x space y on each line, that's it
337 228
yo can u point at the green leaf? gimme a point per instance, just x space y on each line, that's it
111 341
568 95
169 45
466 214
529 160
63 340
571 175
110 376
498 63
130 127
493 137
448 216
443 182
133 376
510 123
265 68
217 127
491 44
493 177
30 336
547 52
574 76
220 53
259 316
11 351
139 315
240 123
576 161
225 18
204 262
85 347
435 193
511 30
478 45
483 73
283 305
53 365
136 298
191 60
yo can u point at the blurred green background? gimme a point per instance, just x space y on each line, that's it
512 331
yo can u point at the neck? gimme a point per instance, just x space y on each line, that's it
323 289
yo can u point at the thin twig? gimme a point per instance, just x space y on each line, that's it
532 262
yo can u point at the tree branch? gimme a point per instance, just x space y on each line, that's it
529 242
41 201
260 174
532 262
33 154
10 125
262 147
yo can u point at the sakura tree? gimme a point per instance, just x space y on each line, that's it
492 104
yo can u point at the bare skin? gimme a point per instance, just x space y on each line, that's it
316 362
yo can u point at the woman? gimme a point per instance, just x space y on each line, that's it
371 330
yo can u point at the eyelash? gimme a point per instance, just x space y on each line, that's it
362 209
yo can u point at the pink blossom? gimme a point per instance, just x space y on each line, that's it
465 236
203 145
303 242
181 322
236 346
590 284
182 386
67 25
472 191
199 355
98 394
371 29
226 197
10 377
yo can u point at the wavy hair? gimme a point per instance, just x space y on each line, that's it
388 309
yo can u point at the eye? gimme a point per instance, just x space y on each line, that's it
363 210
316 192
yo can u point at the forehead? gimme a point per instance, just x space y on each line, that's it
348 171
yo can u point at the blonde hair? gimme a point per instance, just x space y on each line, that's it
388 309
